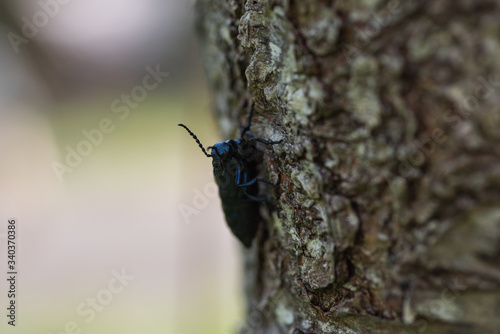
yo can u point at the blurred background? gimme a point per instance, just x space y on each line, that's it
119 225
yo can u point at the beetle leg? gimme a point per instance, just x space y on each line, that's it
250 134
257 180
263 199
247 132
237 171
247 128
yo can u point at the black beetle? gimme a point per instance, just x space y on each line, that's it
235 171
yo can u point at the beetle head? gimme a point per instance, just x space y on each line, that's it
221 153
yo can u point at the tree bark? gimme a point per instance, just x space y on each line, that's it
389 173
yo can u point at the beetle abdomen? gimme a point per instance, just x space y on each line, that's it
243 219
241 213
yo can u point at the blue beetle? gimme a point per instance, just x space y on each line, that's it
235 171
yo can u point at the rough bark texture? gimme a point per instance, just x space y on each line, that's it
389 174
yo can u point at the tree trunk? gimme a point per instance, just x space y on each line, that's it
389 173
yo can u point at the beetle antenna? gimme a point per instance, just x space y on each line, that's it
195 138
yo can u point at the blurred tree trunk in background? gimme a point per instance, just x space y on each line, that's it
389 174
28 49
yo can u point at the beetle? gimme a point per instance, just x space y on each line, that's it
234 163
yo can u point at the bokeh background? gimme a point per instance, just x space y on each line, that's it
132 203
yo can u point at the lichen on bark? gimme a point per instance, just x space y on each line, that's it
389 173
